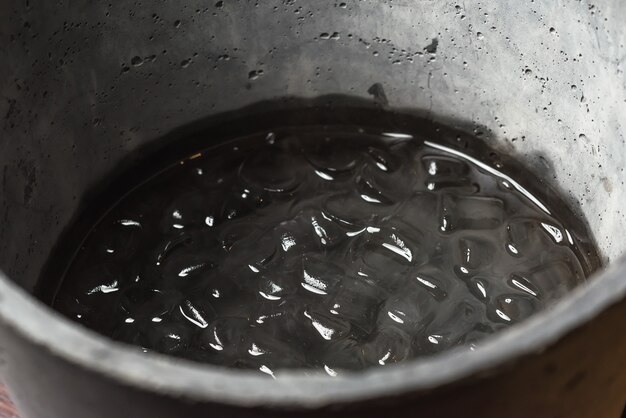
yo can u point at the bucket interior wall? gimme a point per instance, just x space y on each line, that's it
85 85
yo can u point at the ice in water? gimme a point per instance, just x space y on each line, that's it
332 249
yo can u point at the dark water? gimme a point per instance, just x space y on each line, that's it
321 247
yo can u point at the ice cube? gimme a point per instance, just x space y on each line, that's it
520 283
183 267
197 311
387 346
480 287
511 308
345 354
379 187
332 156
385 252
434 280
475 253
524 237
294 237
327 232
410 309
167 337
320 276
189 211
143 302
451 325
272 351
437 165
554 279
419 209
272 170
447 173
227 336
382 159
117 240
278 283
458 212
353 210
357 301
327 326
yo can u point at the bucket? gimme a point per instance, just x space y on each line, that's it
87 88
